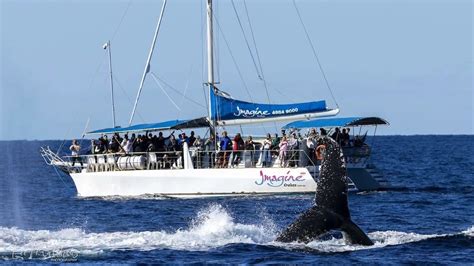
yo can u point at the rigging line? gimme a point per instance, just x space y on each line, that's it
185 89
187 84
314 53
164 91
128 97
121 20
246 41
64 141
85 131
253 38
176 91
256 52
97 71
60 177
237 67
233 59
285 95
94 77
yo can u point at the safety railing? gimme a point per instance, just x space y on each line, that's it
250 158
201 159
357 155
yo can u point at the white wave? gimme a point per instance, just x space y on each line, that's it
380 239
469 232
213 227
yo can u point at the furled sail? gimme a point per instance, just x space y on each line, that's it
227 111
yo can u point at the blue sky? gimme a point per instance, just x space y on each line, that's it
407 61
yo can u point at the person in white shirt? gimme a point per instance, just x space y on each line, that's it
267 156
127 144
75 148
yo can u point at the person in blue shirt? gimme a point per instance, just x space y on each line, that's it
225 145
225 142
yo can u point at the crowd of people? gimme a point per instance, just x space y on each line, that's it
285 147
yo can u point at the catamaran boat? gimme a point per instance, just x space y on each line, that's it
191 172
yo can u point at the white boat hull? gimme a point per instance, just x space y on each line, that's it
194 182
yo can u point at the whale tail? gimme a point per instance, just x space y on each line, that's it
331 210
316 221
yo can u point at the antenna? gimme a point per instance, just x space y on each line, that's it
107 47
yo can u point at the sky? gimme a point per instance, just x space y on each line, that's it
409 62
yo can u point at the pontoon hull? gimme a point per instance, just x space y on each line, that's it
194 182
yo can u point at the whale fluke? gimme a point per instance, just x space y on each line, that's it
331 211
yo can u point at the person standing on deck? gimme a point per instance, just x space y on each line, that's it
336 135
293 145
267 156
238 147
210 147
250 149
191 139
75 148
197 146
226 148
275 145
283 151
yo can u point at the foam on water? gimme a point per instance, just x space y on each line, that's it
213 227
469 232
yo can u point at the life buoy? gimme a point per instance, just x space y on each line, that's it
320 151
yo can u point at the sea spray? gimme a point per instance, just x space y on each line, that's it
213 227
217 230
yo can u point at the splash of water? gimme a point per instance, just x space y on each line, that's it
213 227
469 232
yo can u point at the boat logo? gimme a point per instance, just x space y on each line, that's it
286 180
251 113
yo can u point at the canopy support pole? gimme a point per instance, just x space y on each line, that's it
147 65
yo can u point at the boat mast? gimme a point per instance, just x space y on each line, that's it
210 47
107 46
147 66
210 64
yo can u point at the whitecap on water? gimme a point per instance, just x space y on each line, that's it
213 227
469 232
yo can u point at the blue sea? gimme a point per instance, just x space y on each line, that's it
426 216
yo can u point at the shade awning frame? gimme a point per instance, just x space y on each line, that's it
337 122
166 125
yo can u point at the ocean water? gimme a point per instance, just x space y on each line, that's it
426 216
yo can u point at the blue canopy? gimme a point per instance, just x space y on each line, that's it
171 124
338 122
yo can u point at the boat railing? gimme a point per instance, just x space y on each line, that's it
201 159
357 155
250 159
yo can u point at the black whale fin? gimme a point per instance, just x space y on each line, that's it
331 210
317 221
